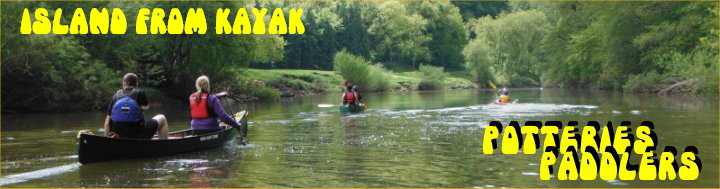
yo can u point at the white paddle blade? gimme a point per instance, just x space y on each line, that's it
325 105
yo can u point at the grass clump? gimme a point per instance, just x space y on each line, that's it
431 77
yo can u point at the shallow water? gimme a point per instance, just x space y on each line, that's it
413 139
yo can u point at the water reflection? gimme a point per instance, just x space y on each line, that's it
201 169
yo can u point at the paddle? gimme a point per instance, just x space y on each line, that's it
223 95
326 105
498 91
333 105
494 87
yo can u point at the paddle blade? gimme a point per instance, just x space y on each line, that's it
325 105
492 84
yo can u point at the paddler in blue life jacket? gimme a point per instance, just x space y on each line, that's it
205 109
125 113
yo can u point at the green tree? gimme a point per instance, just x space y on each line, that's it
447 32
399 35
479 60
515 41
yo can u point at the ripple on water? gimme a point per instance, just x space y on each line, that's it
59 158
246 146
277 121
187 161
22 177
479 115
616 182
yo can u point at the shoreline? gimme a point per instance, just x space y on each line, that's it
290 82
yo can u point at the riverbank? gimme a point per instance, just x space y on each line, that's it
309 82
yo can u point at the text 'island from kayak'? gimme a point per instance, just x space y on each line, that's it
102 21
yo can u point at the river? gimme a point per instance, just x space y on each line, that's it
411 139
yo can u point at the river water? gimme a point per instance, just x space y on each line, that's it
412 139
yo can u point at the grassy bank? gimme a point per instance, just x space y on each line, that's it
304 82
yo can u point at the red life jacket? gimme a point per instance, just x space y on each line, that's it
199 110
349 97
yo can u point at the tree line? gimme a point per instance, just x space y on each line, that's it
662 47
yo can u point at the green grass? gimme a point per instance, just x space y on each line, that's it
318 81
314 81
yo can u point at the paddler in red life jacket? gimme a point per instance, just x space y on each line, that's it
205 109
349 97
125 113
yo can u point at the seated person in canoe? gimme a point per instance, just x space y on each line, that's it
125 113
349 97
205 109
358 96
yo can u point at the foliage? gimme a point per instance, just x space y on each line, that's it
476 9
398 34
52 72
511 45
667 47
447 32
357 70
432 77
479 61
257 89
378 78
654 46
645 82
87 68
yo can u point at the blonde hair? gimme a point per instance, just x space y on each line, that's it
202 84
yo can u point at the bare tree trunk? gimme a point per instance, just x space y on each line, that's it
683 86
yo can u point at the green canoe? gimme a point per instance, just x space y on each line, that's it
353 108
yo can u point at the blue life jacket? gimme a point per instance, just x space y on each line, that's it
126 110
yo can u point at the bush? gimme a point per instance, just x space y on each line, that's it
357 70
54 72
689 73
431 77
379 79
257 89
645 83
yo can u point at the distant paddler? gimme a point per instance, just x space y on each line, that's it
351 99
503 96
357 94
